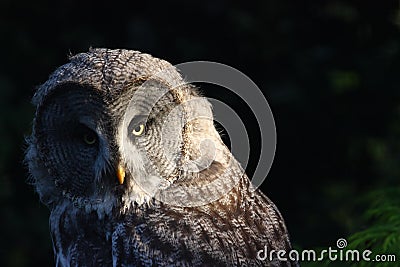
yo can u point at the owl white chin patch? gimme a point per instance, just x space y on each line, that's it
142 190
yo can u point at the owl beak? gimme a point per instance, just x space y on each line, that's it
120 173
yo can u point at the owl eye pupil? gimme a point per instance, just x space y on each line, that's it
89 138
138 130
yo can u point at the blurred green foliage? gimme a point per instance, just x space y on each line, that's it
382 231
329 70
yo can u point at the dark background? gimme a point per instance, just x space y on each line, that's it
329 70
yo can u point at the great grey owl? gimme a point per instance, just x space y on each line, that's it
125 155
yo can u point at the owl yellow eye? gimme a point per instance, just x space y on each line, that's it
137 127
89 138
138 130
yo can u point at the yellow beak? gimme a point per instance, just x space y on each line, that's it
120 173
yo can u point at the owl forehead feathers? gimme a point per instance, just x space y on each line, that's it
111 73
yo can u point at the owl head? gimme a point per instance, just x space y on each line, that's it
114 129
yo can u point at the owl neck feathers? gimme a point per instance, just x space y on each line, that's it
192 189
